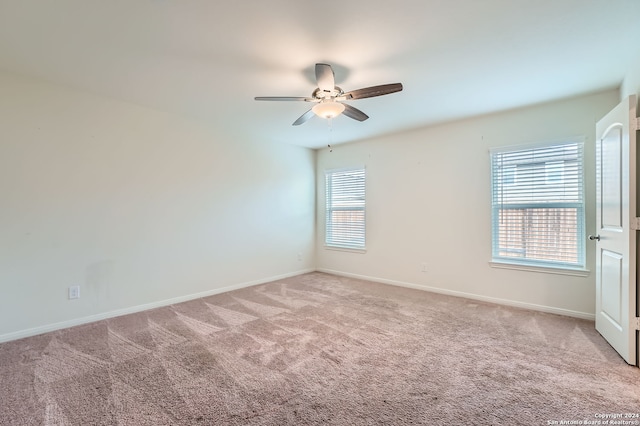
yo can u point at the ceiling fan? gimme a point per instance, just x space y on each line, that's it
329 98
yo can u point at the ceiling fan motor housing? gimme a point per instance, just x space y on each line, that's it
324 94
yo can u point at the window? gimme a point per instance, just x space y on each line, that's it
345 214
537 201
553 171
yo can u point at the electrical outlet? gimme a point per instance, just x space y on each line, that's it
74 292
299 257
423 267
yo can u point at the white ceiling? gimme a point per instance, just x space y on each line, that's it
207 59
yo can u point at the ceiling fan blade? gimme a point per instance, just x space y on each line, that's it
284 98
304 118
354 113
325 77
369 92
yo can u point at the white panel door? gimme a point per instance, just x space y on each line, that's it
616 235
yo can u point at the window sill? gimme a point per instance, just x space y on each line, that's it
347 249
576 272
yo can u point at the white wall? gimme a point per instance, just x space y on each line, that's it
631 83
136 206
428 200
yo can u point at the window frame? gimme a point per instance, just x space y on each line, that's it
331 241
537 265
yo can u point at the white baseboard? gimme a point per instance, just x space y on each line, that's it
507 302
133 309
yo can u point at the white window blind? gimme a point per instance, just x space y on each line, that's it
538 205
345 208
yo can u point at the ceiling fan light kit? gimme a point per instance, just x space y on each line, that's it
329 98
328 109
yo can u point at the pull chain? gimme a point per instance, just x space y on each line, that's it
330 134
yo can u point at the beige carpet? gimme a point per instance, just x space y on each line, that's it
318 349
